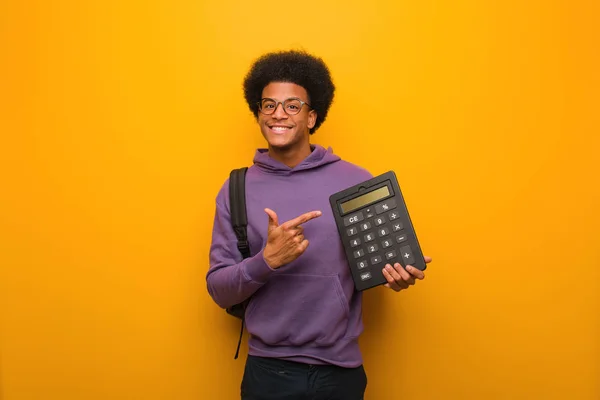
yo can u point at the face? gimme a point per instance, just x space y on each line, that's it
283 131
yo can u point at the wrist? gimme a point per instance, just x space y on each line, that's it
270 262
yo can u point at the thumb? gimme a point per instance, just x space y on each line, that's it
273 221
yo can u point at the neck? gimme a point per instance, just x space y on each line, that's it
290 157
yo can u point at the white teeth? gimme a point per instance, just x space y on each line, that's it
279 128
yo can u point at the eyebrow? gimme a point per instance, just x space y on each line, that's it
289 98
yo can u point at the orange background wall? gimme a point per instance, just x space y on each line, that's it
119 121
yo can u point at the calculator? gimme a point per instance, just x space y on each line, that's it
375 229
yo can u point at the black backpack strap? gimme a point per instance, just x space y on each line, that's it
237 204
239 221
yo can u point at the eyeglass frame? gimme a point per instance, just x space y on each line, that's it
302 103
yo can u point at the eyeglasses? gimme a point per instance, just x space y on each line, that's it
291 106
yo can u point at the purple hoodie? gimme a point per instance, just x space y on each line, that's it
308 310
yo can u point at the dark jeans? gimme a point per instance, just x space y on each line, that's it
274 379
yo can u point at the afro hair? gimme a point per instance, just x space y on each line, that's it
291 66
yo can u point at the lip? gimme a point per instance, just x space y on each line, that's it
286 129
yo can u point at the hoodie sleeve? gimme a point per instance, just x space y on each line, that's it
230 278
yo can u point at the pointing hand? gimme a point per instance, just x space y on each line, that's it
286 242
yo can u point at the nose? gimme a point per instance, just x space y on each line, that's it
279 112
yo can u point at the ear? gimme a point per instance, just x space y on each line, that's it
312 119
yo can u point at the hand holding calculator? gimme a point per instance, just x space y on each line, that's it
375 229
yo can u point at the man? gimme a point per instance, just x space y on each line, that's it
304 315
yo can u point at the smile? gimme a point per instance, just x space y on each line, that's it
280 129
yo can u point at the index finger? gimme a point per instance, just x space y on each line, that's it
417 273
301 219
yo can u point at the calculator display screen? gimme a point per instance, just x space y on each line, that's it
365 199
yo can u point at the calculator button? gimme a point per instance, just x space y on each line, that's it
354 242
407 255
354 218
369 237
362 264
370 212
352 231
387 205
393 215
365 276
359 253
386 243
390 254
376 260
384 232
379 221
401 238
372 248
365 226
397 226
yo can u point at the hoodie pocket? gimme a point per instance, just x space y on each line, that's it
299 309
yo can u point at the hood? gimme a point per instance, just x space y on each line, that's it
318 157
